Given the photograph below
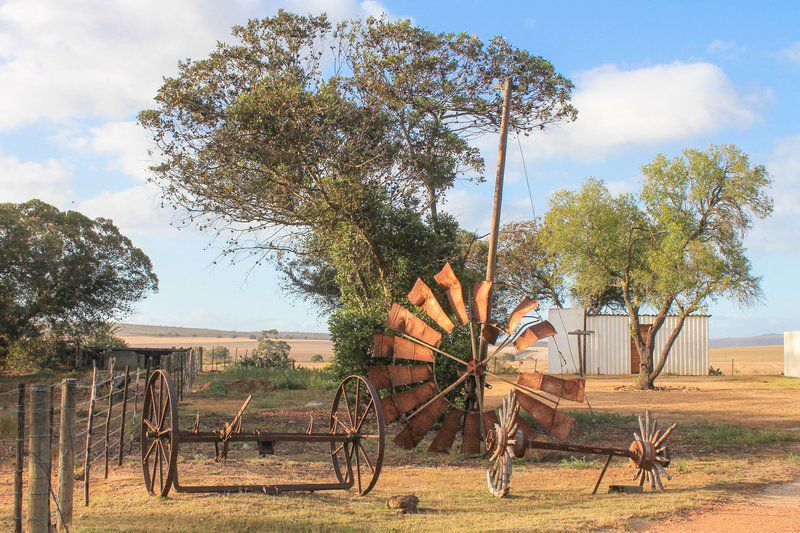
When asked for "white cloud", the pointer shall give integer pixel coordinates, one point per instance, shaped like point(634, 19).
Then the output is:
point(63, 59)
point(623, 109)
point(792, 53)
point(726, 49)
point(124, 145)
point(781, 232)
point(49, 180)
point(135, 210)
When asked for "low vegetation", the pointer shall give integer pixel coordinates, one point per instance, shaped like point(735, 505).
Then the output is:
point(273, 379)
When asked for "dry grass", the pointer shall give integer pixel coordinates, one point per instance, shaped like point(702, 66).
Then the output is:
point(302, 349)
point(735, 435)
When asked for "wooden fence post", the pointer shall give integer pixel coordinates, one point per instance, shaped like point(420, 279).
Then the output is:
point(135, 408)
point(66, 454)
point(38, 519)
point(87, 457)
point(124, 407)
point(108, 412)
point(20, 458)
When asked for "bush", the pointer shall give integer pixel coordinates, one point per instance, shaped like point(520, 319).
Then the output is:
point(317, 358)
point(270, 353)
point(352, 333)
point(218, 352)
point(30, 354)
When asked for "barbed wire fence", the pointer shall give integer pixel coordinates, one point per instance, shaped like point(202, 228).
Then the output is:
point(72, 432)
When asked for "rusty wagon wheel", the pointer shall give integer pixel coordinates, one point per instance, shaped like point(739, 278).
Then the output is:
point(357, 412)
point(159, 433)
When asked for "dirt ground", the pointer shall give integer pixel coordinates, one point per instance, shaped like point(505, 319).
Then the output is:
point(714, 473)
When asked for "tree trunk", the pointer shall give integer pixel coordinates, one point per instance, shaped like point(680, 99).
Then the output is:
point(432, 202)
point(662, 358)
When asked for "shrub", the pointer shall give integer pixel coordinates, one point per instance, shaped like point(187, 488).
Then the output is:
point(218, 352)
point(317, 358)
point(283, 378)
point(270, 353)
point(352, 333)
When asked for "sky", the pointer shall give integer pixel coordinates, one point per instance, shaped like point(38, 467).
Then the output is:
point(649, 78)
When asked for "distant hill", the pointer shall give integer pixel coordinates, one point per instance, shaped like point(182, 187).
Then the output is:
point(127, 330)
point(769, 339)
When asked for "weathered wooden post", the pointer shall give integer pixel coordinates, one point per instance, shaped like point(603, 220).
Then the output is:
point(87, 456)
point(135, 408)
point(38, 519)
point(66, 454)
point(108, 413)
point(20, 458)
point(124, 407)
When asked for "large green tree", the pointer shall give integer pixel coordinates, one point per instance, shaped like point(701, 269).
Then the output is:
point(63, 274)
point(674, 247)
point(326, 148)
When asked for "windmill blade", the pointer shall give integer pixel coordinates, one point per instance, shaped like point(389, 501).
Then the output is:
point(389, 346)
point(447, 279)
point(568, 389)
point(471, 438)
point(403, 402)
point(533, 333)
point(421, 424)
point(525, 306)
point(557, 424)
point(422, 296)
point(490, 332)
point(388, 376)
point(402, 320)
point(447, 433)
point(480, 310)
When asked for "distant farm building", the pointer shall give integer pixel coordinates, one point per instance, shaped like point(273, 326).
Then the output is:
point(609, 348)
point(791, 353)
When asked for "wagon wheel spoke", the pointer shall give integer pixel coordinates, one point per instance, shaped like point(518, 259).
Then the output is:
point(337, 450)
point(370, 408)
point(153, 475)
point(358, 398)
point(150, 426)
point(366, 458)
point(149, 451)
point(163, 415)
point(346, 429)
point(347, 405)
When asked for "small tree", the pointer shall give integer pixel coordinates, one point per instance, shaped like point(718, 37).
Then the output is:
point(317, 358)
point(674, 248)
point(104, 337)
point(218, 352)
point(270, 352)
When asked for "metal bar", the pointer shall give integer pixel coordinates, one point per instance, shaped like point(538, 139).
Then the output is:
point(108, 414)
point(124, 408)
point(602, 473)
point(87, 457)
point(211, 436)
point(578, 448)
point(264, 489)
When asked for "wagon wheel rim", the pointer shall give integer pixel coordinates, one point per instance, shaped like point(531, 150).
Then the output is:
point(357, 412)
point(159, 436)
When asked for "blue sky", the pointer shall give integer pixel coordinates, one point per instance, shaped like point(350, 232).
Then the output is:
point(649, 78)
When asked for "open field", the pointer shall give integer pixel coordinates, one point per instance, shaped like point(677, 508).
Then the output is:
point(735, 436)
point(749, 360)
point(302, 349)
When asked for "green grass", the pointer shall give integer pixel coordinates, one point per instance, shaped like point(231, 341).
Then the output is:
point(595, 426)
point(578, 464)
point(716, 434)
point(275, 378)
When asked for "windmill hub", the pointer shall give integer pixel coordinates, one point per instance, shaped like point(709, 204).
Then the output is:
point(475, 368)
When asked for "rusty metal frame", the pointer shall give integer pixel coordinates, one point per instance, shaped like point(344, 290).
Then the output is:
point(163, 435)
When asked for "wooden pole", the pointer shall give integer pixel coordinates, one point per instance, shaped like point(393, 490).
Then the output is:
point(135, 408)
point(124, 408)
point(87, 455)
point(498, 201)
point(66, 454)
point(108, 413)
point(38, 519)
point(20, 458)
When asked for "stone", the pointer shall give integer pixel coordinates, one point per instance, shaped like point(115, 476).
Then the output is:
point(406, 503)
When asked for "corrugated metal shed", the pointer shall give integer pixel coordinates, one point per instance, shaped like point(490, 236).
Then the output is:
point(608, 349)
point(791, 353)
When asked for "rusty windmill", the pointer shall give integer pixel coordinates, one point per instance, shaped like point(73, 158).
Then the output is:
point(423, 401)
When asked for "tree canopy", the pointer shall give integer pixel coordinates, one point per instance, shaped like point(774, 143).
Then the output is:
point(327, 148)
point(674, 247)
point(63, 274)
